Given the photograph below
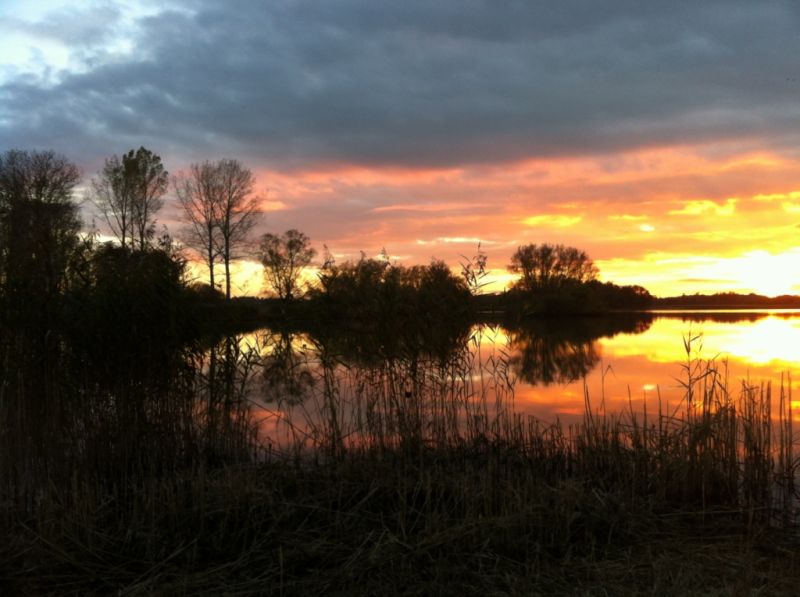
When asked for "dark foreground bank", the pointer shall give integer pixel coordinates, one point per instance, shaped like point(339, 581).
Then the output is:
point(453, 495)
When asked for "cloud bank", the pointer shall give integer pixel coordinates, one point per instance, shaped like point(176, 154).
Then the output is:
point(413, 83)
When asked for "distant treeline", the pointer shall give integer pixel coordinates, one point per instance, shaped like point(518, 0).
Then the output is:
point(727, 300)
point(580, 298)
point(367, 295)
point(378, 295)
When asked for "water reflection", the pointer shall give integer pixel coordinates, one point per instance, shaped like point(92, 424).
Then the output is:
point(645, 369)
point(551, 363)
point(287, 371)
point(748, 340)
point(563, 350)
point(369, 345)
point(299, 365)
point(732, 316)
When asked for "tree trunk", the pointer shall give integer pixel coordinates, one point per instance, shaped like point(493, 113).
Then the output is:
point(211, 267)
point(227, 258)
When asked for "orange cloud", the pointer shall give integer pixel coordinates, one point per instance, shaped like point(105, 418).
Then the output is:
point(704, 206)
point(552, 220)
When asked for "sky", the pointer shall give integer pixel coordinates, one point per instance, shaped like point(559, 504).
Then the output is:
point(663, 138)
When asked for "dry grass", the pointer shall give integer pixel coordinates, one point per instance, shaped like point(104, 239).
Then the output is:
point(416, 476)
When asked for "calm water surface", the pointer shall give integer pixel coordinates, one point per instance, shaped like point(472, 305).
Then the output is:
point(553, 365)
point(753, 346)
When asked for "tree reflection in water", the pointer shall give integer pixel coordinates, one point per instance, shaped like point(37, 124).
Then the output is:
point(549, 351)
point(541, 360)
point(287, 368)
point(293, 361)
point(338, 386)
point(543, 351)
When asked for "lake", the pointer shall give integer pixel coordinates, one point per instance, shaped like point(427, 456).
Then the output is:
point(643, 364)
point(547, 368)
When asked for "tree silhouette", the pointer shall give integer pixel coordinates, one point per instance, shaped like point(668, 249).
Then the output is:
point(197, 194)
point(549, 266)
point(128, 192)
point(145, 175)
point(238, 211)
point(38, 227)
point(220, 212)
point(113, 198)
point(284, 257)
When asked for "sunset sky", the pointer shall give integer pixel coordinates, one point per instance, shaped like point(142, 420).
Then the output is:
point(661, 137)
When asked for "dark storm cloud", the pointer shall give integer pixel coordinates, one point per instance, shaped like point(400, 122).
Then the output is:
point(414, 83)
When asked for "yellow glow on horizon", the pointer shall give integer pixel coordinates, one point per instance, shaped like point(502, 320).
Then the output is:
point(664, 274)
point(760, 271)
point(246, 276)
point(497, 280)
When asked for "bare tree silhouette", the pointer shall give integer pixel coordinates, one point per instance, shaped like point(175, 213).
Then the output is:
point(284, 258)
point(128, 192)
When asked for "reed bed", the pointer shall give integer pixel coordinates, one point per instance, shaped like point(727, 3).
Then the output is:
point(416, 475)
point(723, 445)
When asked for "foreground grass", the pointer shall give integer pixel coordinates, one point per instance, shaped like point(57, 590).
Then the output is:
point(475, 525)
point(457, 494)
